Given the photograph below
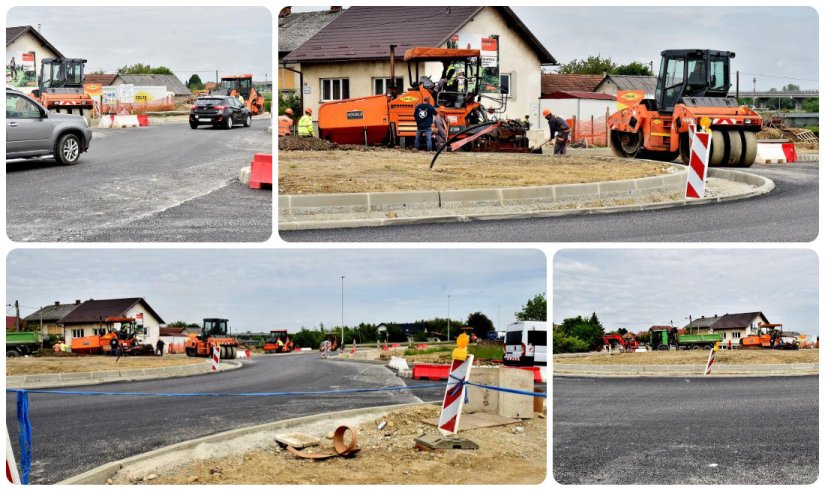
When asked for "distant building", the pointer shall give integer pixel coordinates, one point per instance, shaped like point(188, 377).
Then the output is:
point(732, 326)
point(568, 82)
point(614, 83)
point(49, 317)
point(87, 318)
point(294, 29)
point(26, 46)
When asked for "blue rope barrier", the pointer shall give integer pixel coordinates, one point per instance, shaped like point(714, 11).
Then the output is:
point(24, 436)
point(461, 383)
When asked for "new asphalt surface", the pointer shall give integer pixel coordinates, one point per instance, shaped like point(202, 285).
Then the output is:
point(158, 183)
point(788, 214)
point(73, 433)
point(686, 430)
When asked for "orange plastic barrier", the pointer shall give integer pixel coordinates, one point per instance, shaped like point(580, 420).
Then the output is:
point(143, 120)
point(432, 372)
point(421, 346)
point(261, 171)
point(790, 152)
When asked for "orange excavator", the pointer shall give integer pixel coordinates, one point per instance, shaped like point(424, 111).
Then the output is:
point(691, 90)
point(388, 119)
point(614, 340)
point(235, 85)
point(215, 331)
point(60, 87)
point(273, 346)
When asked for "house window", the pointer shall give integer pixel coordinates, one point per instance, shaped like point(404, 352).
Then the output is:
point(381, 86)
point(77, 333)
point(737, 335)
point(99, 331)
point(334, 89)
point(504, 82)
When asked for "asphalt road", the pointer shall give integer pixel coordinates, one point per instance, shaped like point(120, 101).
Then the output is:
point(157, 183)
point(788, 214)
point(686, 430)
point(72, 433)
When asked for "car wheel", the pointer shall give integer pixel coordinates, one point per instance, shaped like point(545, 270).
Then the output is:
point(228, 123)
point(193, 125)
point(248, 121)
point(68, 149)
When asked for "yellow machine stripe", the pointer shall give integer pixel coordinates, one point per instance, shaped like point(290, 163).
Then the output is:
point(660, 134)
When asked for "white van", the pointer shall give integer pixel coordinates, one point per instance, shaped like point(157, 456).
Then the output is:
point(525, 344)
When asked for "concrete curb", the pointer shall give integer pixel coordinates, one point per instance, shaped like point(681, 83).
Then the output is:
point(807, 157)
point(743, 370)
point(100, 474)
point(364, 202)
point(37, 381)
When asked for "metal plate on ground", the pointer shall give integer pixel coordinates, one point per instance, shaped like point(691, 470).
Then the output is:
point(431, 442)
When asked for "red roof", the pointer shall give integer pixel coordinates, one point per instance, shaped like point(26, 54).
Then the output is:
point(554, 82)
point(105, 79)
point(579, 95)
point(11, 322)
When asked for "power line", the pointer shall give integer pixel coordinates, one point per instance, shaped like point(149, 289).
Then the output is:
point(783, 78)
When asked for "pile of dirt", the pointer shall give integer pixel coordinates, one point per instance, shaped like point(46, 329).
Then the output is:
point(82, 364)
point(513, 454)
point(746, 356)
point(292, 143)
point(387, 170)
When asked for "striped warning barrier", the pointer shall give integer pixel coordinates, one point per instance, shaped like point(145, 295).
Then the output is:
point(698, 168)
point(11, 465)
point(106, 121)
point(454, 396)
point(770, 153)
point(216, 357)
point(711, 358)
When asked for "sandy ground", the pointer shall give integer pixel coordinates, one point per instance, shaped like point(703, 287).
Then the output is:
point(513, 454)
point(695, 357)
point(386, 170)
point(82, 364)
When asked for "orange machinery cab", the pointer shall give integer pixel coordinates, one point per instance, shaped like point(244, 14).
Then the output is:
point(381, 119)
point(97, 344)
point(272, 346)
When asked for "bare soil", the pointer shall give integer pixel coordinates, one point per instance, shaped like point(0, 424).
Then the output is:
point(386, 170)
point(513, 454)
point(694, 357)
point(81, 364)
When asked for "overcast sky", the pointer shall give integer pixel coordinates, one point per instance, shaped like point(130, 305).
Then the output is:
point(636, 289)
point(777, 45)
point(185, 39)
point(261, 290)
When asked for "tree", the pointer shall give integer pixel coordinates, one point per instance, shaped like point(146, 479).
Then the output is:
point(593, 65)
point(791, 88)
point(633, 68)
point(395, 333)
point(810, 105)
point(589, 330)
point(534, 310)
point(480, 324)
point(180, 324)
point(308, 338)
point(564, 344)
point(289, 101)
point(141, 69)
point(621, 331)
point(195, 83)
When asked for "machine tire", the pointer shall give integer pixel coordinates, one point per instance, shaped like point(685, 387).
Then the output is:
point(718, 149)
point(233, 352)
point(707, 347)
point(684, 148)
point(193, 125)
point(749, 151)
point(227, 124)
point(190, 352)
point(615, 146)
point(12, 353)
point(248, 121)
point(663, 347)
point(735, 146)
point(67, 150)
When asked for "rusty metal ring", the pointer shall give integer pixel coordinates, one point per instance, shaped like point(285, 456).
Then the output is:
point(341, 449)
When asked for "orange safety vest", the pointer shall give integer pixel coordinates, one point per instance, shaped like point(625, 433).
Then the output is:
point(284, 125)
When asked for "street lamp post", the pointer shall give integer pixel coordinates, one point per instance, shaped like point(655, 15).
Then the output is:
point(342, 313)
point(448, 318)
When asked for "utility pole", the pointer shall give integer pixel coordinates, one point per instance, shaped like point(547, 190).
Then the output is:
point(17, 314)
point(737, 85)
point(498, 325)
point(448, 318)
point(216, 78)
point(342, 313)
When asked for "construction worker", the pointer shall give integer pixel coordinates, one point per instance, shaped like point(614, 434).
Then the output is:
point(424, 113)
point(560, 126)
point(442, 129)
point(113, 344)
point(305, 127)
point(160, 346)
point(285, 123)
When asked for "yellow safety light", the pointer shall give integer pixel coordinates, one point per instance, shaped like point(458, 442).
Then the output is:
point(705, 123)
point(460, 352)
point(716, 346)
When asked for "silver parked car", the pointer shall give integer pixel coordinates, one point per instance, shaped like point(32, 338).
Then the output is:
point(32, 131)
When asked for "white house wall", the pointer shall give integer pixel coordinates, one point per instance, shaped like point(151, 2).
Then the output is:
point(25, 43)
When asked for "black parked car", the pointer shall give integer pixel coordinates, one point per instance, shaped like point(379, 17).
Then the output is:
point(219, 110)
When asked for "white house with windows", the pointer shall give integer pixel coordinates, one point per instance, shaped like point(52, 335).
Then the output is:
point(732, 326)
point(349, 57)
point(89, 318)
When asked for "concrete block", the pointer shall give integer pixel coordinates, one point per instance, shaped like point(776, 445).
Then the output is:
point(546, 193)
point(358, 200)
point(389, 201)
point(576, 191)
point(650, 183)
point(617, 188)
point(480, 399)
point(470, 195)
point(243, 175)
point(505, 404)
point(77, 376)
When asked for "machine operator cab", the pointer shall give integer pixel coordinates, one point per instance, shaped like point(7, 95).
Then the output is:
point(214, 327)
point(692, 73)
point(57, 73)
point(241, 84)
point(457, 83)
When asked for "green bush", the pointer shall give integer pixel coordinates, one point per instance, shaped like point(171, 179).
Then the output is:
point(267, 101)
point(564, 344)
point(487, 351)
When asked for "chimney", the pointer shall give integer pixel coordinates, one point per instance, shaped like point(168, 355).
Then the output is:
point(335, 9)
point(57, 303)
point(285, 12)
point(77, 301)
point(38, 27)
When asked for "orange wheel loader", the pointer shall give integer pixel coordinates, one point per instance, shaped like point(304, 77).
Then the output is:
point(692, 86)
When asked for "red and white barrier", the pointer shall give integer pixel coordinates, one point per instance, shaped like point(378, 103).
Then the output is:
point(770, 153)
point(12, 475)
point(125, 122)
point(454, 396)
point(698, 168)
point(711, 358)
point(216, 358)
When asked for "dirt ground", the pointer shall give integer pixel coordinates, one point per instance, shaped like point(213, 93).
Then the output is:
point(695, 357)
point(82, 364)
point(513, 454)
point(386, 170)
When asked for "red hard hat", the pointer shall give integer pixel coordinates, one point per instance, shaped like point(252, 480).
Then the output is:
point(289, 112)
point(545, 112)
point(309, 110)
